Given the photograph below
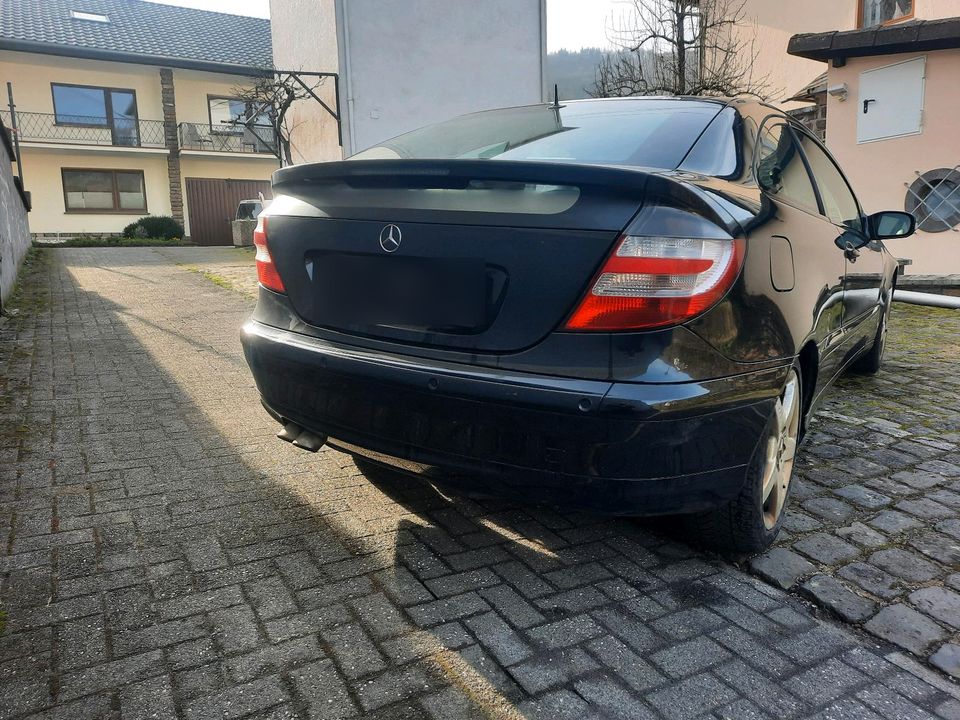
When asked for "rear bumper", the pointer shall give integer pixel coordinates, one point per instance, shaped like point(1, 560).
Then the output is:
point(624, 448)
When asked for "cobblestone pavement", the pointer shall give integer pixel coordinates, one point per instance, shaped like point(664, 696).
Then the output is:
point(874, 533)
point(165, 556)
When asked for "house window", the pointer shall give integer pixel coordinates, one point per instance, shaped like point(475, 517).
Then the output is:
point(227, 114)
point(74, 105)
point(934, 198)
point(104, 191)
point(881, 12)
point(94, 106)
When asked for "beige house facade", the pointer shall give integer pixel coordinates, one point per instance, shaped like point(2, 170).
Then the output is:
point(768, 27)
point(892, 93)
point(114, 123)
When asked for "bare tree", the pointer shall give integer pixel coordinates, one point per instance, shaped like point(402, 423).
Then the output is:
point(680, 47)
point(268, 101)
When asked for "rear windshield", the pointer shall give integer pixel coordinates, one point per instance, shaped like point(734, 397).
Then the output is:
point(642, 132)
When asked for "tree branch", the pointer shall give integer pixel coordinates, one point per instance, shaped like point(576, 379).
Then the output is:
point(681, 47)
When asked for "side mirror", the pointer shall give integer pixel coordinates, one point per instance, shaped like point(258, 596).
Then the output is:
point(891, 224)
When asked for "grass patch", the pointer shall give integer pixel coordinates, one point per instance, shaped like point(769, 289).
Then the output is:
point(218, 280)
point(27, 294)
point(3, 620)
point(86, 242)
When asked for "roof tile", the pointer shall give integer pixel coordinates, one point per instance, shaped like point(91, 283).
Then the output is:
point(140, 27)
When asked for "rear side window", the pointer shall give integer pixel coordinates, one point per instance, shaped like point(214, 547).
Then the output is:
point(716, 152)
point(639, 132)
point(779, 167)
point(839, 203)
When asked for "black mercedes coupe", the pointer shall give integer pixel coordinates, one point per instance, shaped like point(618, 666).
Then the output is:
point(629, 306)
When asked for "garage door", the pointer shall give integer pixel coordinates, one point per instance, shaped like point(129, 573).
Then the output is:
point(212, 205)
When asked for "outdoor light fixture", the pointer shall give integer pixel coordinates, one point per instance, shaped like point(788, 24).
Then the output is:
point(838, 91)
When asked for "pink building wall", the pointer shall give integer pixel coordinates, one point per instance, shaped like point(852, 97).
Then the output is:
point(880, 169)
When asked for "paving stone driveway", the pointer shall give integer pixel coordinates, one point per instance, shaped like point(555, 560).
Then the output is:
point(165, 556)
point(874, 533)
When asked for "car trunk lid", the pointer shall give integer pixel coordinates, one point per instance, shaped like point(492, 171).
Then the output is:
point(485, 256)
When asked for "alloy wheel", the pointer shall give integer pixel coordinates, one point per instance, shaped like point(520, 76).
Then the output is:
point(780, 451)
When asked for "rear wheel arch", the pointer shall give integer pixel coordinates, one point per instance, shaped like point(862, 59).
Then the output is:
point(750, 522)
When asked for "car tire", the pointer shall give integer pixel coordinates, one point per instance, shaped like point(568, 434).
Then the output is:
point(751, 521)
point(871, 362)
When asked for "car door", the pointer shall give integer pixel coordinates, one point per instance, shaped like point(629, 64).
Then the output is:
point(800, 231)
point(863, 257)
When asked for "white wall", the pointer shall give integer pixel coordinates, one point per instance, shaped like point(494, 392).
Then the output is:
point(305, 38)
point(407, 63)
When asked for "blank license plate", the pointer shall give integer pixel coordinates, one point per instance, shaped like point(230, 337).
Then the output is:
point(428, 293)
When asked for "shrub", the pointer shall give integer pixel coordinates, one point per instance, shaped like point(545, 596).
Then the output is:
point(154, 226)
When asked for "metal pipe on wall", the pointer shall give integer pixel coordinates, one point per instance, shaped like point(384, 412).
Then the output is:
point(15, 132)
point(930, 299)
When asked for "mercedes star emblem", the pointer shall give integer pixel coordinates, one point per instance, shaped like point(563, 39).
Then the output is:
point(390, 238)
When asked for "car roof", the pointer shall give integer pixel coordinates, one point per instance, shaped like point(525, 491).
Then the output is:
point(726, 101)
point(740, 103)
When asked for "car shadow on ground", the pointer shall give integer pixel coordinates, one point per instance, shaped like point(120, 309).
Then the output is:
point(165, 552)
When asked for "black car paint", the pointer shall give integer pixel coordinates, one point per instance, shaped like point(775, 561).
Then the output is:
point(635, 422)
point(576, 441)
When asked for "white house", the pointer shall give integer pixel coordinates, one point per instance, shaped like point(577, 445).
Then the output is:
point(406, 64)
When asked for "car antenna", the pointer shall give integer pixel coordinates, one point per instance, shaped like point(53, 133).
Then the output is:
point(556, 98)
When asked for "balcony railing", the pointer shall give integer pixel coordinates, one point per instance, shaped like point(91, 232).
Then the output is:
point(230, 138)
point(98, 131)
point(82, 130)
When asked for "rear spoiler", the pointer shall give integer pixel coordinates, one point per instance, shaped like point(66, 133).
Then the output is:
point(603, 189)
point(458, 174)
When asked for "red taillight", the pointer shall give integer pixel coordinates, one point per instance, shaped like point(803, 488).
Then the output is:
point(650, 282)
point(266, 271)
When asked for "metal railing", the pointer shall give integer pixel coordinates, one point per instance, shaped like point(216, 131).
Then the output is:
point(934, 197)
point(229, 138)
point(83, 130)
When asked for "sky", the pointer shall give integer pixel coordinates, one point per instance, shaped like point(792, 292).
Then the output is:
point(575, 24)
point(571, 24)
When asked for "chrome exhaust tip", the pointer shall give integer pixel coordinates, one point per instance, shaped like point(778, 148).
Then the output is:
point(308, 441)
point(293, 433)
point(289, 432)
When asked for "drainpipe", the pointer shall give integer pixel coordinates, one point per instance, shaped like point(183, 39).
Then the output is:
point(343, 32)
point(544, 91)
point(16, 135)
